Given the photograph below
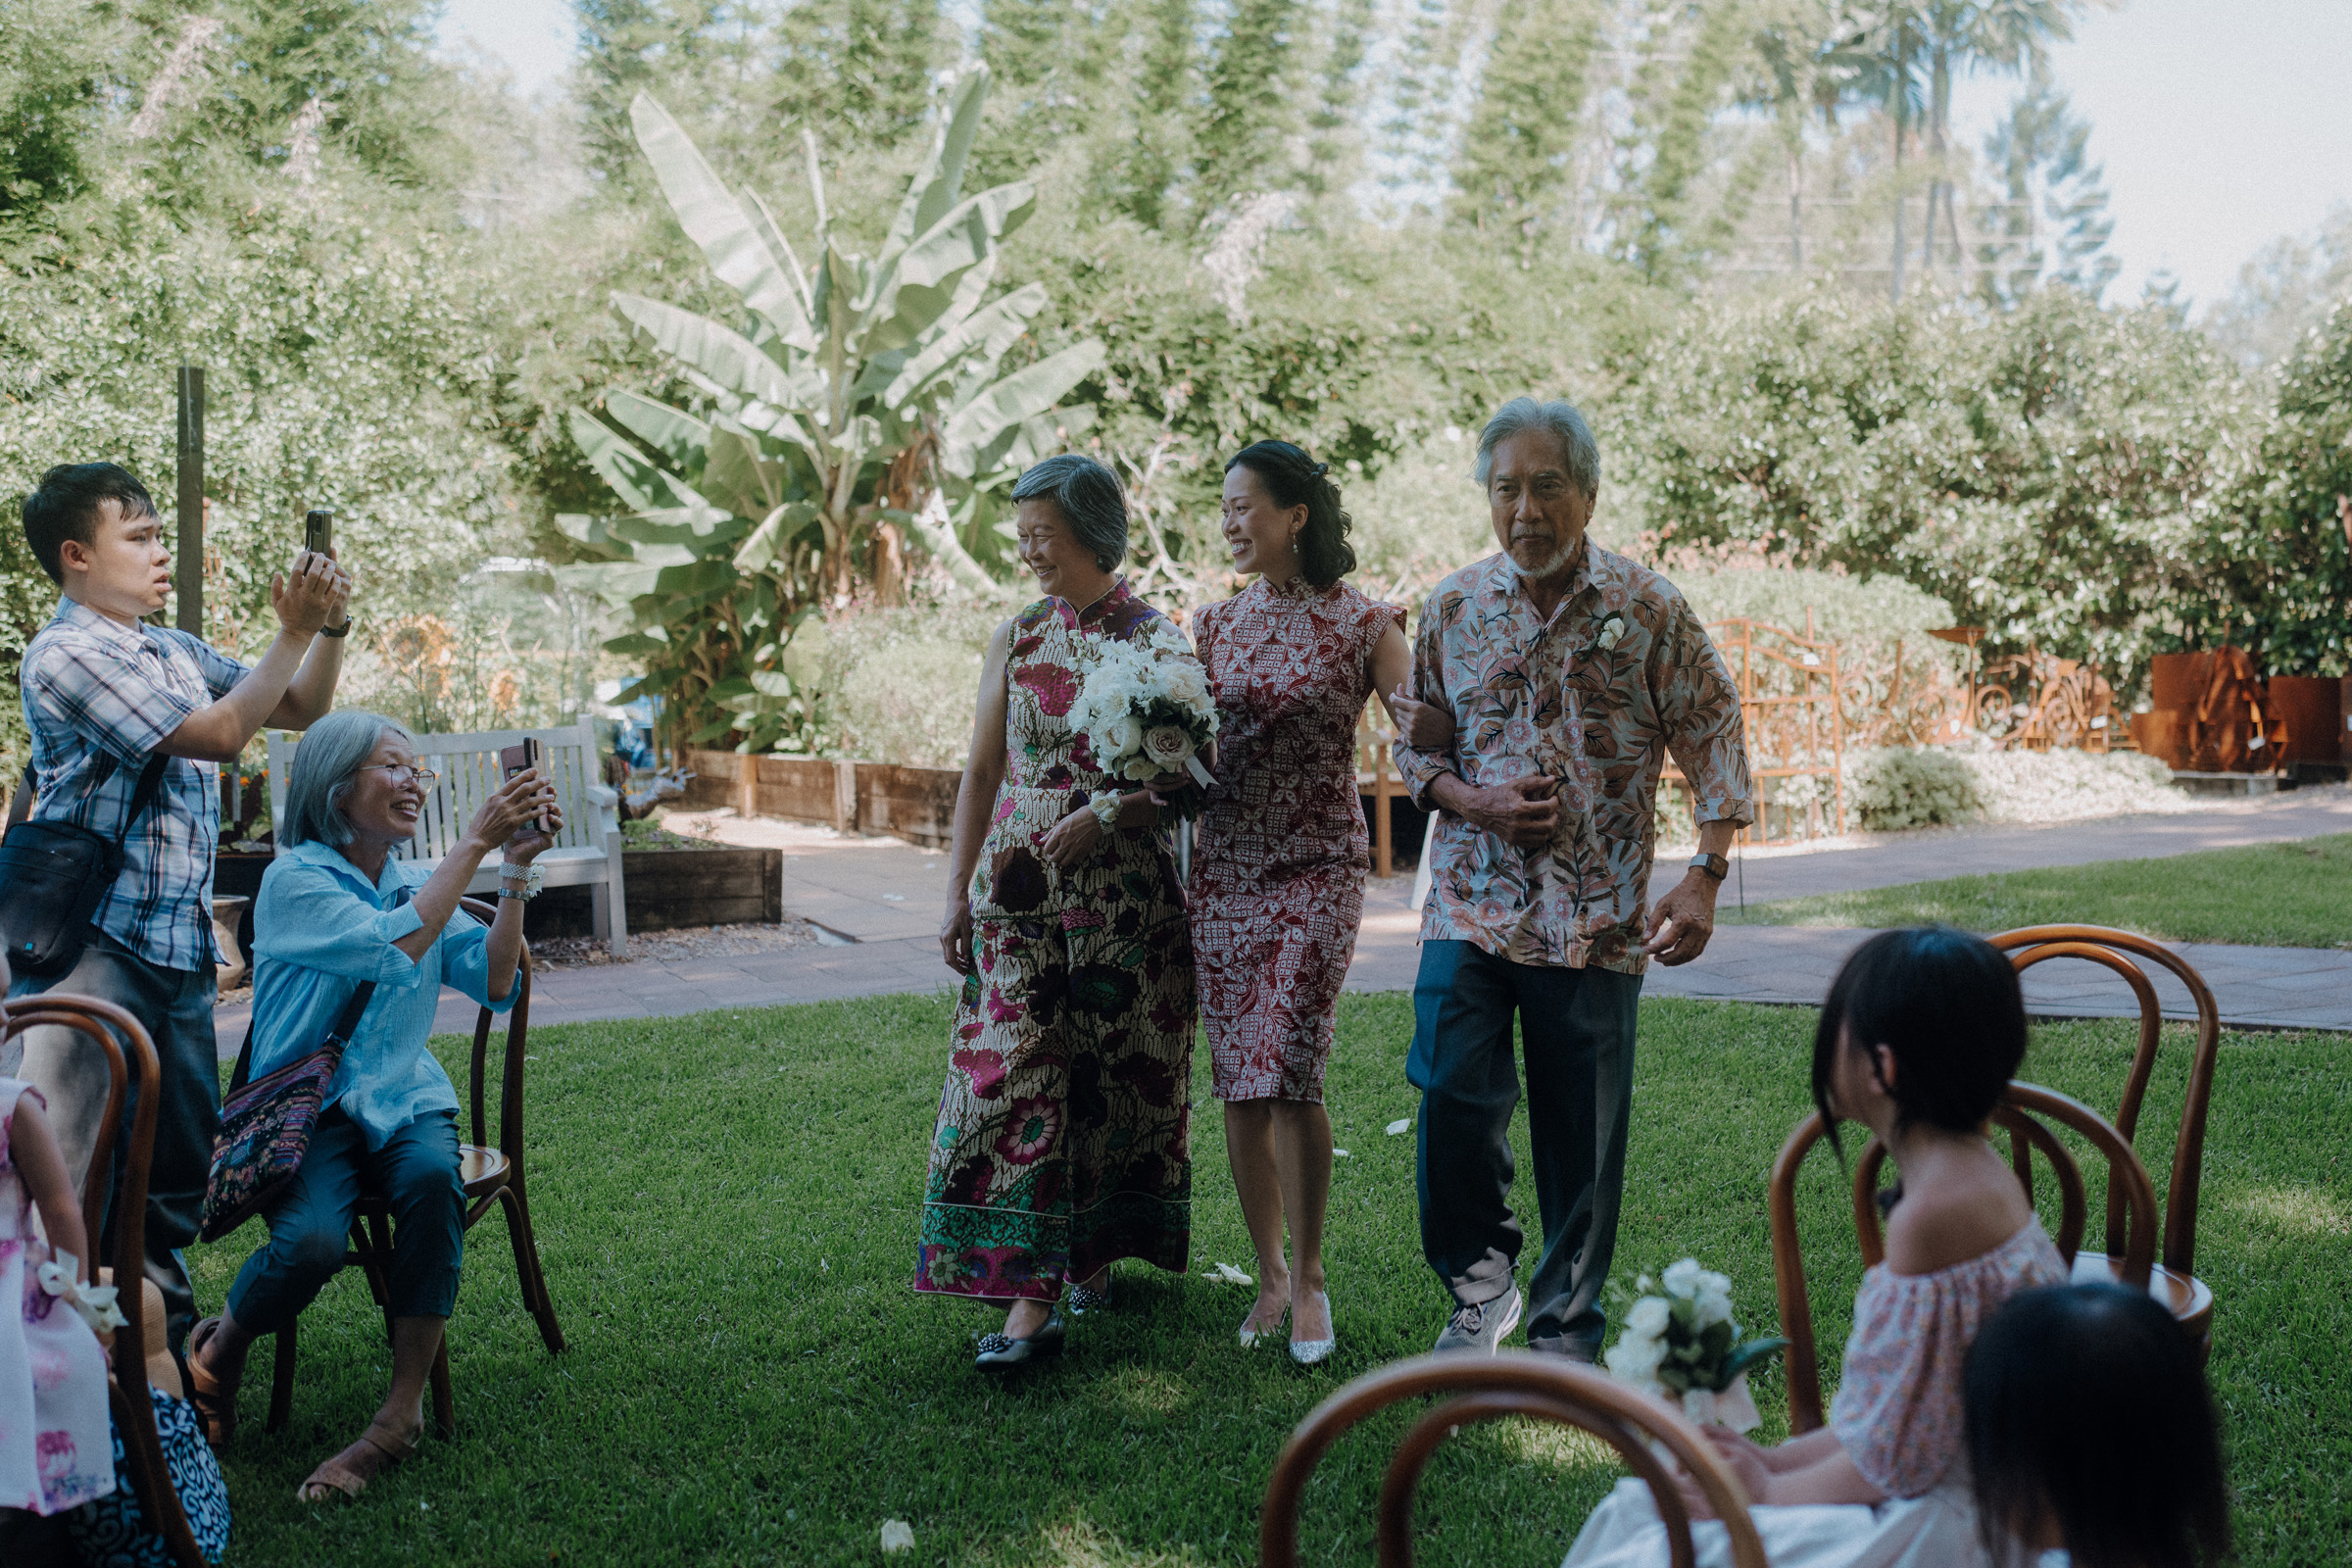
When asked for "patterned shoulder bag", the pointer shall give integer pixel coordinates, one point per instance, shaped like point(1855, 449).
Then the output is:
point(265, 1126)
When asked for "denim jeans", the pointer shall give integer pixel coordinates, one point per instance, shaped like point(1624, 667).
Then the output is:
point(176, 1006)
point(1577, 1026)
point(308, 1224)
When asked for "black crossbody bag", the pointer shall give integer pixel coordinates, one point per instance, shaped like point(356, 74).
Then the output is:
point(53, 876)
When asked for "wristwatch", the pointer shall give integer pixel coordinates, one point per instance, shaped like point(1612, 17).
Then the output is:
point(1715, 865)
point(343, 630)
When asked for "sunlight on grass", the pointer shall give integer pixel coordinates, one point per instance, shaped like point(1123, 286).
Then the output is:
point(751, 1381)
point(2264, 895)
point(2300, 1209)
point(1564, 1448)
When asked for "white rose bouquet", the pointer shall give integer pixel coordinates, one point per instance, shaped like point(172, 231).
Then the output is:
point(1145, 709)
point(1681, 1344)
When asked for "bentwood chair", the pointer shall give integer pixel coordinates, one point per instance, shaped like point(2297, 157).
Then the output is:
point(1546, 1388)
point(126, 1385)
point(2022, 1108)
point(492, 1173)
point(2175, 1283)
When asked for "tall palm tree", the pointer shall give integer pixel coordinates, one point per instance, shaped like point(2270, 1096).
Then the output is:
point(2009, 36)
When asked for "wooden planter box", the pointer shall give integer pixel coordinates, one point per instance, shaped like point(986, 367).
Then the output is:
point(917, 803)
point(671, 889)
point(667, 888)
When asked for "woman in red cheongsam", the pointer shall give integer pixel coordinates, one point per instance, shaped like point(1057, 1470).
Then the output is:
point(1277, 887)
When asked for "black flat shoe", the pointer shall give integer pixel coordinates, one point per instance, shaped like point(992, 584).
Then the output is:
point(1000, 1352)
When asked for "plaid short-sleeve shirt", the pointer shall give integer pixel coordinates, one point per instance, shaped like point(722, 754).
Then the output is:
point(99, 697)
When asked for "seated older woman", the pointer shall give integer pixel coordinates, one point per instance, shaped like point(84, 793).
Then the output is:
point(337, 910)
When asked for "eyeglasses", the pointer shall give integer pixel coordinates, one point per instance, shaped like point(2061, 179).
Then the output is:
point(402, 773)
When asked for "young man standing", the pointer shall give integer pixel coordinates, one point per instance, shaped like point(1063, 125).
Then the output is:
point(103, 692)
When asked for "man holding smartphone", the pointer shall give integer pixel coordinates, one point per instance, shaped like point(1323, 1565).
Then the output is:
point(105, 692)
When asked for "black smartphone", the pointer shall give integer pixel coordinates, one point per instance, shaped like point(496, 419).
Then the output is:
point(318, 531)
point(515, 760)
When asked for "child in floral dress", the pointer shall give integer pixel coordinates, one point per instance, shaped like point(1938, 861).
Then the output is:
point(1921, 1034)
point(56, 1445)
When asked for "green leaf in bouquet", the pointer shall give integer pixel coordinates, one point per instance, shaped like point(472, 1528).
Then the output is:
point(1716, 1340)
point(1753, 1354)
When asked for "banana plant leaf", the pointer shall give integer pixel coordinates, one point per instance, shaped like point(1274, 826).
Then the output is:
point(715, 221)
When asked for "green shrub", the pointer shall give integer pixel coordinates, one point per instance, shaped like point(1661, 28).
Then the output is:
point(1892, 787)
point(899, 684)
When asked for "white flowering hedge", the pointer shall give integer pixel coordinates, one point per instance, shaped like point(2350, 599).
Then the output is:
point(1895, 787)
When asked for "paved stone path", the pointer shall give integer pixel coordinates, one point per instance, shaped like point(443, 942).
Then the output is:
point(881, 897)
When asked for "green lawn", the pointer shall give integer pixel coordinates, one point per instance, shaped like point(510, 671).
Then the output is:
point(2265, 895)
point(726, 1210)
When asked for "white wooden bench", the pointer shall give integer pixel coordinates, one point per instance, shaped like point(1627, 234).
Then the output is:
point(586, 854)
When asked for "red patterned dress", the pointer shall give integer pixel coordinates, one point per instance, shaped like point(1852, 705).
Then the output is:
point(1278, 877)
point(1064, 1140)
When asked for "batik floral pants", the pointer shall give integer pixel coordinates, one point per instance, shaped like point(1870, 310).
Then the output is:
point(1064, 1131)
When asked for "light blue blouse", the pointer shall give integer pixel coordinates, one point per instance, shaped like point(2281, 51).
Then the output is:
point(318, 930)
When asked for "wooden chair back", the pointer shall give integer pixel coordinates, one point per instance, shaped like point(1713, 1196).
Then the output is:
point(99, 1023)
point(2018, 1112)
point(1484, 1388)
point(2116, 951)
point(509, 1089)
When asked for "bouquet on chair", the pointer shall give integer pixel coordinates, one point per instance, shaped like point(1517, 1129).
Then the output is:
point(1681, 1344)
point(1145, 712)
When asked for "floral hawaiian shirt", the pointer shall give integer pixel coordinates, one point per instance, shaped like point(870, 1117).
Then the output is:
point(1594, 697)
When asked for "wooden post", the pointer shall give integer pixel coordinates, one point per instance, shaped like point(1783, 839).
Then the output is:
point(845, 797)
point(747, 785)
point(189, 567)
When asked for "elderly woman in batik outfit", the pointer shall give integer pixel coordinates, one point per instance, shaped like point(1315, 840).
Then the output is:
point(1063, 1137)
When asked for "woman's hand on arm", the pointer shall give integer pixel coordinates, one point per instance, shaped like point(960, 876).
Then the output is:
point(976, 801)
point(1424, 726)
point(518, 800)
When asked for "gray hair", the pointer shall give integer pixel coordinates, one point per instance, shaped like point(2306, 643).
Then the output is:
point(332, 752)
point(1562, 420)
point(1090, 500)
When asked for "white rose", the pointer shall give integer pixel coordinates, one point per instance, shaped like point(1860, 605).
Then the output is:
point(1635, 1359)
point(1682, 1279)
point(1167, 746)
point(1611, 632)
point(1714, 1302)
point(1186, 685)
point(1125, 734)
point(1647, 1318)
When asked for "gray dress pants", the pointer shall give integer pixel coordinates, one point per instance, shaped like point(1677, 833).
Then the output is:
point(1577, 1026)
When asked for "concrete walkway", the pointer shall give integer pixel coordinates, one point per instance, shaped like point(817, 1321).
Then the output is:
point(880, 901)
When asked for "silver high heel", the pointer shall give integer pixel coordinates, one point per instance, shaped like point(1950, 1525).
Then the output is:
point(1308, 1353)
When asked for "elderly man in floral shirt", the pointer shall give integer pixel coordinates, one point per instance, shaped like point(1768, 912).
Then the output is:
point(1569, 673)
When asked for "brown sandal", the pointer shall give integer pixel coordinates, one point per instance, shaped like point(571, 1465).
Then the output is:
point(335, 1476)
point(215, 1402)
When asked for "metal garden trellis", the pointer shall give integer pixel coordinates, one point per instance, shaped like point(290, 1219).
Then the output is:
point(1790, 711)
